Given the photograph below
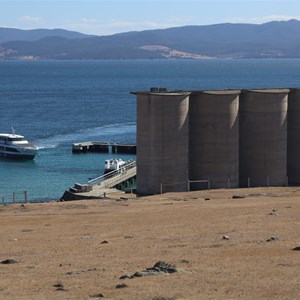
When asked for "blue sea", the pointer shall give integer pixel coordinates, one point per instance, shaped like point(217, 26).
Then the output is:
point(57, 103)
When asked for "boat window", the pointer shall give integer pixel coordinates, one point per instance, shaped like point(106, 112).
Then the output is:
point(16, 139)
point(11, 149)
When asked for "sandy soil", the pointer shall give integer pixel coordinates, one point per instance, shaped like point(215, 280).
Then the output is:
point(79, 249)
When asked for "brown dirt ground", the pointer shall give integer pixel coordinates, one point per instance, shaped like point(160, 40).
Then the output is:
point(61, 243)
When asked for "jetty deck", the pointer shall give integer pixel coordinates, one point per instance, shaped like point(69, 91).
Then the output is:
point(103, 147)
point(102, 185)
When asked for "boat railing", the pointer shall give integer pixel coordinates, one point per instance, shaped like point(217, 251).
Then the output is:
point(113, 173)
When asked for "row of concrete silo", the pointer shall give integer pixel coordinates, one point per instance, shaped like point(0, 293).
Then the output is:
point(232, 138)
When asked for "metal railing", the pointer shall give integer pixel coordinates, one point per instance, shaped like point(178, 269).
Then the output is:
point(172, 187)
point(227, 183)
point(118, 178)
point(266, 181)
point(111, 174)
point(14, 198)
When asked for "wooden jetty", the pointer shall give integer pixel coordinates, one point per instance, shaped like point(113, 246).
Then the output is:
point(102, 147)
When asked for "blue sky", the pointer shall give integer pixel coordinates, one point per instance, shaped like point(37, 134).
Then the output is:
point(102, 17)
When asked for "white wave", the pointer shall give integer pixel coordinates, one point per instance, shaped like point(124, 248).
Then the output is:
point(90, 134)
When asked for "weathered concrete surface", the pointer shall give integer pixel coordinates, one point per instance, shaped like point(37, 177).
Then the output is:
point(293, 146)
point(162, 142)
point(214, 138)
point(263, 137)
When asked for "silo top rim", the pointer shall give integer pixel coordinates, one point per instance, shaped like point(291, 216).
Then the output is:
point(162, 93)
point(222, 92)
point(269, 91)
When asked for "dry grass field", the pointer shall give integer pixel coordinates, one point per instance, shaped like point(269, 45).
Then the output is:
point(223, 247)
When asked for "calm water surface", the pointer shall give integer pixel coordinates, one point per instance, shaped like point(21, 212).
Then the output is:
point(57, 103)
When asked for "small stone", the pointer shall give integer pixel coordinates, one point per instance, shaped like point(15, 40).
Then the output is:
point(97, 296)
point(91, 270)
point(138, 274)
point(125, 277)
point(207, 199)
point(27, 230)
point(162, 298)
point(272, 238)
point(184, 261)
point(8, 262)
point(121, 286)
point(296, 248)
point(238, 196)
point(104, 242)
point(162, 266)
point(226, 237)
point(128, 237)
point(22, 208)
point(59, 287)
point(87, 236)
point(273, 212)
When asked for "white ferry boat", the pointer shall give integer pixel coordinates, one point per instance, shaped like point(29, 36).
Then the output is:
point(16, 146)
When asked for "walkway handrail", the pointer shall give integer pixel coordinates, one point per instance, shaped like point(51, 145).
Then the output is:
point(120, 177)
point(111, 174)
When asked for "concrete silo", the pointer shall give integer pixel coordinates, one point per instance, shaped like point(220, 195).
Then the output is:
point(293, 150)
point(263, 137)
point(162, 141)
point(214, 138)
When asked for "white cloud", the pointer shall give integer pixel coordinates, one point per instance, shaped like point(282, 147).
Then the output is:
point(88, 20)
point(263, 19)
point(181, 20)
point(274, 18)
point(30, 19)
point(93, 26)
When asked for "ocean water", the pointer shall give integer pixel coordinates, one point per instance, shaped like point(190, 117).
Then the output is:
point(57, 103)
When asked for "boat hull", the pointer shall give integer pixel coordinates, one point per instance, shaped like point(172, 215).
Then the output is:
point(17, 156)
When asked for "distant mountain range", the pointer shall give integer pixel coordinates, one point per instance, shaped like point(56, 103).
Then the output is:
point(278, 39)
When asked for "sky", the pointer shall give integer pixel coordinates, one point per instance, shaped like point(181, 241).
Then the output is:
point(103, 17)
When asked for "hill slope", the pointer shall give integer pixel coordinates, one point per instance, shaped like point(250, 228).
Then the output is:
point(273, 39)
point(12, 34)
